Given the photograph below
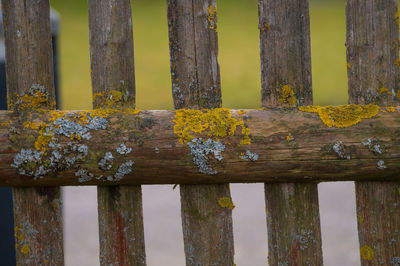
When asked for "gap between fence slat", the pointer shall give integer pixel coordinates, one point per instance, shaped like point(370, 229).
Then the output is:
point(29, 61)
point(207, 227)
point(294, 231)
point(374, 78)
point(121, 231)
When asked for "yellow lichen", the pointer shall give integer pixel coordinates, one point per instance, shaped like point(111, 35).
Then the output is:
point(25, 249)
point(289, 138)
point(265, 27)
point(212, 18)
point(226, 202)
point(215, 123)
point(397, 62)
point(4, 124)
point(108, 98)
point(348, 65)
point(31, 125)
point(367, 253)
point(360, 219)
point(342, 116)
point(287, 96)
point(389, 109)
point(385, 90)
point(396, 17)
point(240, 112)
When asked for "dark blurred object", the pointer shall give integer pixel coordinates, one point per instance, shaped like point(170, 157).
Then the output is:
point(7, 243)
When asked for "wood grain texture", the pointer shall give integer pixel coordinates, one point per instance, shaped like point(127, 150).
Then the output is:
point(111, 49)
point(372, 42)
point(159, 157)
point(119, 207)
point(207, 227)
point(294, 231)
point(285, 50)
point(294, 237)
point(29, 60)
point(372, 54)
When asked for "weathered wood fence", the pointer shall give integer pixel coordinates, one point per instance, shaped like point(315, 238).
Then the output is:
point(288, 145)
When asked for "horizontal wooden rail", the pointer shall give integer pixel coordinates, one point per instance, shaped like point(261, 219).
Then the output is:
point(109, 147)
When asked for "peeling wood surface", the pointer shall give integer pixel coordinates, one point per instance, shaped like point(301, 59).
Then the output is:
point(159, 158)
point(29, 60)
point(121, 230)
point(374, 77)
point(294, 231)
point(207, 228)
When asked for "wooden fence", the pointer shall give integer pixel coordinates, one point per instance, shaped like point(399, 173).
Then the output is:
point(287, 144)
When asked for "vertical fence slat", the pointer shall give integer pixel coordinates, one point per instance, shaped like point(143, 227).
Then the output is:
point(207, 228)
point(373, 77)
point(29, 60)
point(294, 234)
point(119, 207)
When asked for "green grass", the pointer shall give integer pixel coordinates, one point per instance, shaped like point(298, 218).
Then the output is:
point(238, 54)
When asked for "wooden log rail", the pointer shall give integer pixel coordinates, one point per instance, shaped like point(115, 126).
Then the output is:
point(110, 147)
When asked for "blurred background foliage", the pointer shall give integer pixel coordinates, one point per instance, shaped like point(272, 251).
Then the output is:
point(238, 35)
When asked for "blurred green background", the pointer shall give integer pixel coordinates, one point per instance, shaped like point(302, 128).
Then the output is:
point(238, 53)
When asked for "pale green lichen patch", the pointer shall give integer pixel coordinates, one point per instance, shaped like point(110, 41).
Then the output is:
point(373, 146)
point(249, 156)
point(226, 202)
point(342, 116)
point(339, 149)
point(381, 165)
point(201, 149)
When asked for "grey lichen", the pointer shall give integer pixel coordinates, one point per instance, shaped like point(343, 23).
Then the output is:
point(106, 162)
point(26, 160)
point(123, 150)
point(395, 261)
point(200, 151)
point(381, 165)
point(68, 128)
point(373, 146)
point(84, 175)
point(123, 170)
point(249, 156)
point(305, 239)
point(339, 149)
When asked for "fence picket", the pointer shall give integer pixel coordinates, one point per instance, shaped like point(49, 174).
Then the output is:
point(207, 227)
point(113, 81)
point(373, 78)
point(37, 211)
point(294, 234)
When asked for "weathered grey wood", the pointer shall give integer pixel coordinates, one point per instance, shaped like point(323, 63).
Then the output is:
point(159, 158)
point(111, 50)
point(294, 237)
point(29, 61)
point(294, 232)
point(285, 51)
point(207, 227)
point(119, 207)
point(373, 76)
point(372, 42)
